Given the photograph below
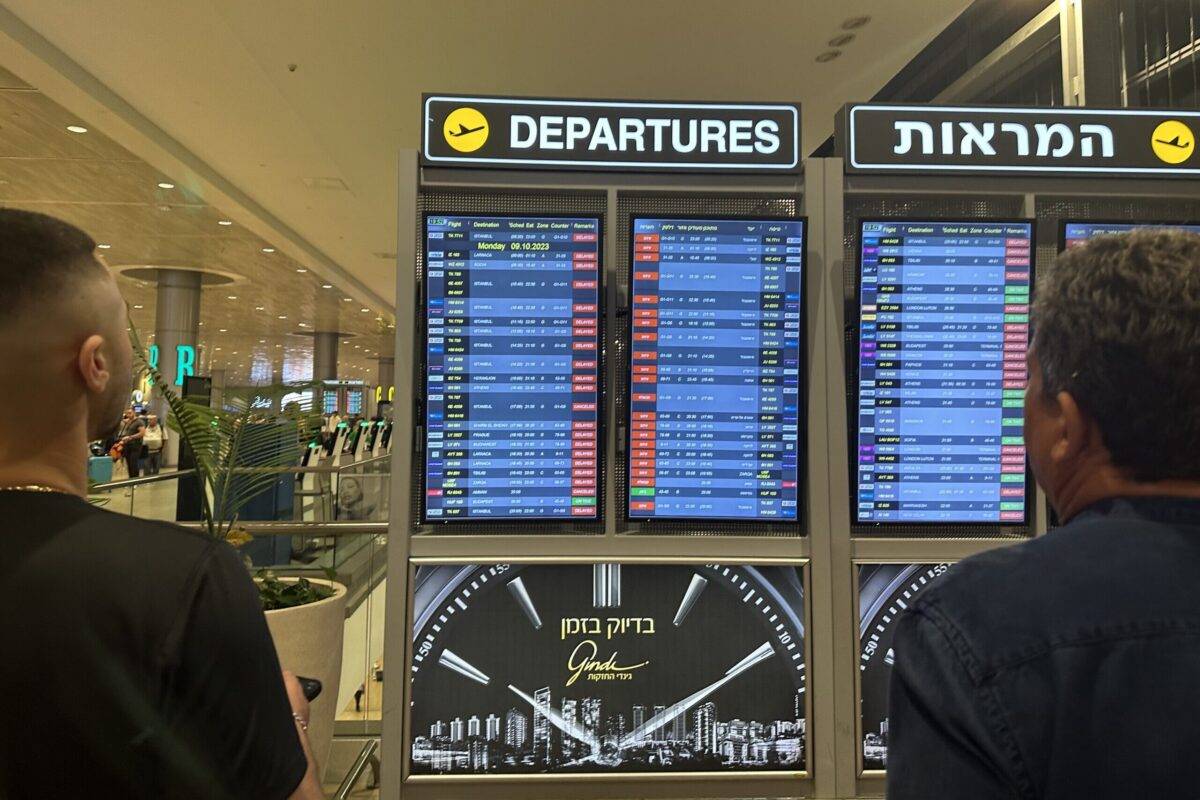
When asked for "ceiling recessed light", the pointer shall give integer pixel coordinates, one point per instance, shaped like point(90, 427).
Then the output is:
point(347, 299)
point(326, 285)
point(365, 310)
point(278, 346)
point(283, 316)
point(231, 297)
point(139, 307)
point(218, 349)
point(224, 222)
point(234, 353)
point(221, 330)
point(301, 269)
point(166, 185)
point(104, 246)
point(268, 249)
point(76, 129)
point(302, 324)
point(262, 341)
point(828, 55)
point(260, 308)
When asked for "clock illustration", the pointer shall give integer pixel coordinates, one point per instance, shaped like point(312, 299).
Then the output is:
point(884, 591)
point(557, 668)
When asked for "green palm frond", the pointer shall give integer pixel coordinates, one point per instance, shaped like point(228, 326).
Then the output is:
point(241, 450)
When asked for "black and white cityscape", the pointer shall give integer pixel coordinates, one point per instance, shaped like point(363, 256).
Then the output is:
point(697, 739)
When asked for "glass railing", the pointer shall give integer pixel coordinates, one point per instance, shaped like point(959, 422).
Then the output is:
point(315, 519)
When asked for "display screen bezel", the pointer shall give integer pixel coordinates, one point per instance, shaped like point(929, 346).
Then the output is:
point(802, 386)
point(421, 418)
point(853, 366)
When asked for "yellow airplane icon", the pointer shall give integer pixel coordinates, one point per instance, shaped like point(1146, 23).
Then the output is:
point(465, 129)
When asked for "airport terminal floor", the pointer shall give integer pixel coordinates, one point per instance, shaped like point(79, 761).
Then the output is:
point(619, 374)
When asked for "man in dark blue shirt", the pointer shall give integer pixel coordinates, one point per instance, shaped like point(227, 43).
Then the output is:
point(1069, 666)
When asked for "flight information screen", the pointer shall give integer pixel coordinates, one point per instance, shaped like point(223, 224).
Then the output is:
point(715, 369)
point(513, 365)
point(943, 333)
point(1077, 233)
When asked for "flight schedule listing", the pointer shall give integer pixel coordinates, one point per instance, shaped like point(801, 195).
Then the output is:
point(944, 329)
point(715, 369)
point(512, 360)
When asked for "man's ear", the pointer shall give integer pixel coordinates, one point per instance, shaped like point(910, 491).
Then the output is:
point(1073, 431)
point(94, 367)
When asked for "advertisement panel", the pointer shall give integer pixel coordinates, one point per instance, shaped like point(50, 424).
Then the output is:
point(608, 668)
point(884, 591)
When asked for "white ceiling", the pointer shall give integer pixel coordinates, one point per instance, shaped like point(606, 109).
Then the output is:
point(214, 77)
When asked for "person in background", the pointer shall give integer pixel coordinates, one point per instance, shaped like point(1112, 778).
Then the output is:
point(137, 662)
point(133, 428)
point(1065, 667)
point(153, 439)
point(331, 431)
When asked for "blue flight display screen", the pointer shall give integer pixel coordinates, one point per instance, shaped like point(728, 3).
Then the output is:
point(715, 369)
point(943, 334)
point(513, 355)
point(1077, 233)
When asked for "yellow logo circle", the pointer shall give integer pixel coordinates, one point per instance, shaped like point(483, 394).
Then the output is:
point(1173, 142)
point(465, 129)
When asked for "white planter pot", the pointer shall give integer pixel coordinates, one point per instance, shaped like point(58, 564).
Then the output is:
point(308, 640)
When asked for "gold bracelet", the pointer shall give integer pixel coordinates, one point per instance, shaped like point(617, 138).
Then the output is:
point(303, 722)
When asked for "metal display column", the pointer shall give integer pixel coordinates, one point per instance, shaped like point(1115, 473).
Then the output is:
point(176, 325)
point(618, 542)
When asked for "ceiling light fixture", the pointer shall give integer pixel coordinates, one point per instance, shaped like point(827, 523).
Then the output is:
point(283, 316)
point(347, 299)
point(138, 307)
point(221, 330)
point(260, 308)
point(225, 222)
point(104, 246)
point(326, 285)
point(301, 269)
point(365, 310)
point(77, 129)
point(268, 249)
point(302, 324)
point(166, 185)
point(231, 297)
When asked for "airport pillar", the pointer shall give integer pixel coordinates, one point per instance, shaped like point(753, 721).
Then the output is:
point(218, 387)
point(325, 362)
point(176, 329)
point(276, 381)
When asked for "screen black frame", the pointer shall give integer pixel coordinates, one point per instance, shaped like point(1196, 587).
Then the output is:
point(853, 366)
point(802, 476)
point(421, 420)
point(1155, 223)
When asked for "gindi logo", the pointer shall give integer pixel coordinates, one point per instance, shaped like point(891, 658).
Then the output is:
point(465, 129)
point(1173, 142)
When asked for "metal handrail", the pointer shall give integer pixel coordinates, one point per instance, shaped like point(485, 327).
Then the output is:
point(162, 476)
point(285, 528)
point(297, 470)
point(365, 756)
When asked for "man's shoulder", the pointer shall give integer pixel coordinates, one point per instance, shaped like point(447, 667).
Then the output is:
point(1016, 601)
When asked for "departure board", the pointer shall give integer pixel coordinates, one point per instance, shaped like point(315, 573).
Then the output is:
point(513, 364)
point(1077, 233)
point(943, 333)
point(714, 402)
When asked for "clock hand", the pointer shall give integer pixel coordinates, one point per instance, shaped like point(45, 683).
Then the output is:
point(567, 726)
point(664, 717)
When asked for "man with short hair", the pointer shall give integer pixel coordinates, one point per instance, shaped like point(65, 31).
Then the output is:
point(1066, 667)
point(137, 662)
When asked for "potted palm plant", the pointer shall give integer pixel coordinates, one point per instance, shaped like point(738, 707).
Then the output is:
point(241, 451)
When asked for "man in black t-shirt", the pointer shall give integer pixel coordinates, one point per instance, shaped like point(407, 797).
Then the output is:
point(136, 661)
